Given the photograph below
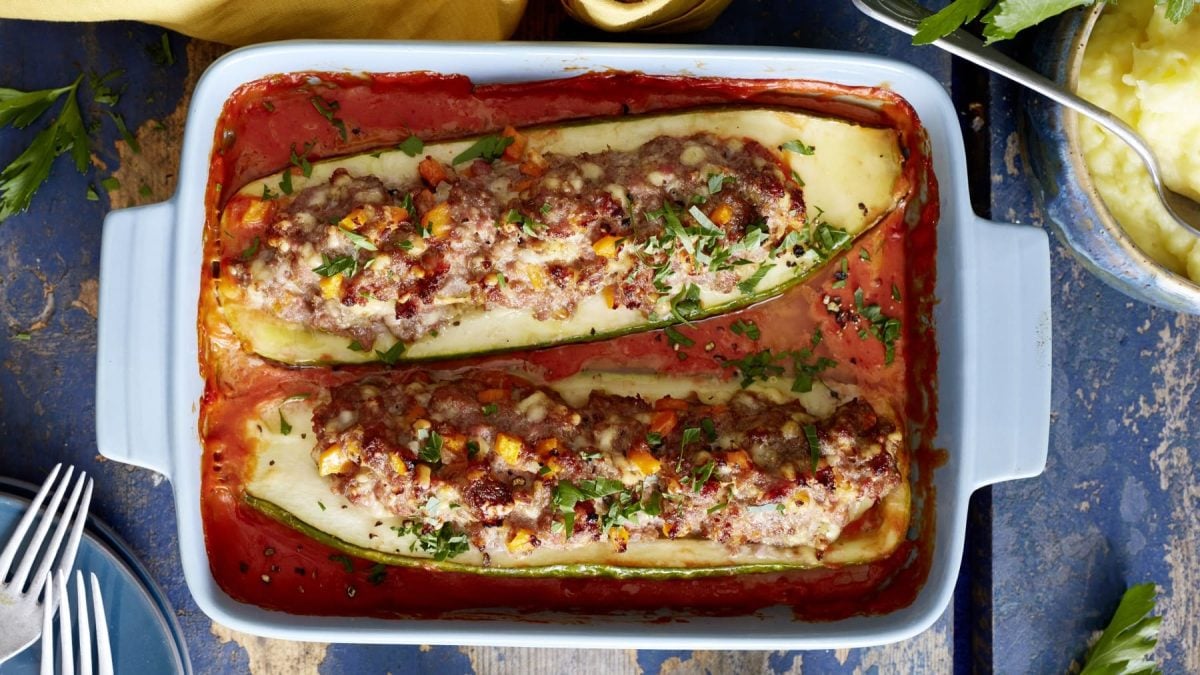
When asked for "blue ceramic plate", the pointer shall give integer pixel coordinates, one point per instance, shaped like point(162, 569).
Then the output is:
point(145, 637)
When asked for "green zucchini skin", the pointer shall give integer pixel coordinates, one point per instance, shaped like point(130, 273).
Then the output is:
point(573, 571)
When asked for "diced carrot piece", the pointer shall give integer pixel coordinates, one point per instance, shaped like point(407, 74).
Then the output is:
point(437, 220)
point(331, 287)
point(668, 403)
point(663, 422)
point(546, 446)
point(522, 540)
point(398, 464)
point(610, 296)
point(738, 458)
point(454, 442)
point(534, 165)
point(516, 150)
point(509, 448)
point(647, 463)
point(606, 246)
point(721, 215)
point(432, 171)
point(492, 395)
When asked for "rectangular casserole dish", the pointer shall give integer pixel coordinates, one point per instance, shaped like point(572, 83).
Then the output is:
point(992, 325)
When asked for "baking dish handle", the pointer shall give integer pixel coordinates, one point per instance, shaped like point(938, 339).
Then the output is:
point(132, 374)
point(1011, 402)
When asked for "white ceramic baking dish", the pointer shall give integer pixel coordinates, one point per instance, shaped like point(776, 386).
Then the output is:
point(993, 330)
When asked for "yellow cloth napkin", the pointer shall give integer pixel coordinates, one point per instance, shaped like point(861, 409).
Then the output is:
point(242, 22)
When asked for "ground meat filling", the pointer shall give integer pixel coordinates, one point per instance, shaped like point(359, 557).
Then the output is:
point(361, 257)
point(513, 466)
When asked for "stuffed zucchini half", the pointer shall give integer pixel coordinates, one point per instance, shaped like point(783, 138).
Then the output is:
point(595, 475)
point(546, 235)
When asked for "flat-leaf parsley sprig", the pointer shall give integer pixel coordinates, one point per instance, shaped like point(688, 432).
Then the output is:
point(20, 180)
point(1003, 19)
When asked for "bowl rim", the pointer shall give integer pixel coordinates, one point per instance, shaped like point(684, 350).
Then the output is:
point(1175, 282)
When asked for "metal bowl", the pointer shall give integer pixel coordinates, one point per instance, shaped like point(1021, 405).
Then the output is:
point(1064, 187)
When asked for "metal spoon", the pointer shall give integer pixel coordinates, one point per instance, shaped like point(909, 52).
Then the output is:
point(905, 15)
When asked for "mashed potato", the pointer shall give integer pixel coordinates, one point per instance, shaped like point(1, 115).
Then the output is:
point(1146, 70)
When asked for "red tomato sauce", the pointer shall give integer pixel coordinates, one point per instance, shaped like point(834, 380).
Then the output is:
point(257, 560)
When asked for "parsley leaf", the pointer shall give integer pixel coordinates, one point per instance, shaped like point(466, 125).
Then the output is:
point(761, 365)
point(751, 282)
point(798, 146)
point(358, 240)
point(328, 110)
point(948, 20)
point(748, 329)
point(1129, 638)
point(716, 181)
point(284, 427)
point(250, 251)
point(25, 174)
point(487, 148)
point(334, 265)
point(686, 304)
point(674, 337)
point(431, 449)
point(393, 353)
point(411, 146)
point(568, 494)
point(814, 445)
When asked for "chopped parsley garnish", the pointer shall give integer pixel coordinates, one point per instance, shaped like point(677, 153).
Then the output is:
point(284, 427)
point(814, 445)
point(356, 346)
point(798, 146)
point(285, 183)
point(321, 504)
point(895, 292)
point(393, 353)
point(840, 276)
point(748, 285)
point(472, 449)
point(377, 574)
point(690, 435)
point(528, 225)
point(489, 409)
point(709, 429)
point(345, 561)
point(568, 494)
point(880, 326)
point(300, 160)
point(440, 542)
point(757, 366)
point(128, 137)
point(358, 240)
point(686, 304)
point(863, 255)
point(250, 251)
point(653, 505)
point(675, 338)
point(717, 507)
point(411, 146)
point(334, 265)
point(488, 148)
point(328, 110)
point(654, 439)
point(431, 449)
point(716, 181)
point(748, 329)
point(267, 195)
point(589, 456)
point(827, 239)
point(501, 280)
point(701, 474)
point(160, 52)
point(807, 370)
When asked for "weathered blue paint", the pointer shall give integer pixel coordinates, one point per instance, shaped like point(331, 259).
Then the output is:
point(1040, 572)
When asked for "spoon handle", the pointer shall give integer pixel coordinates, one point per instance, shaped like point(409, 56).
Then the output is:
point(906, 15)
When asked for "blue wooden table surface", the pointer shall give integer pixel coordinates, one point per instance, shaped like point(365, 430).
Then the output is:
point(1047, 558)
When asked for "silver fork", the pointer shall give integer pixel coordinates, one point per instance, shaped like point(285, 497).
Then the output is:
point(20, 611)
point(96, 627)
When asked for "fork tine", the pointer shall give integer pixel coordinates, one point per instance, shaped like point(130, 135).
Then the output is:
point(85, 628)
point(103, 648)
point(14, 543)
point(66, 650)
point(47, 663)
point(67, 561)
point(51, 553)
